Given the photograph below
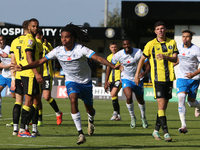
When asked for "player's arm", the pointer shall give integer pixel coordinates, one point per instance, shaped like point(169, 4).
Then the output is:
point(147, 69)
point(4, 66)
point(107, 83)
point(34, 64)
point(172, 59)
point(139, 67)
point(191, 75)
point(104, 61)
point(13, 61)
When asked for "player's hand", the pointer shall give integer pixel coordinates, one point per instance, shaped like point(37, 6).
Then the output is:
point(106, 85)
point(12, 87)
point(142, 75)
point(137, 80)
point(160, 56)
point(190, 75)
point(117, 67)
point(4, 55)
point(121, 68)
point(39, 78)
point(15, 67)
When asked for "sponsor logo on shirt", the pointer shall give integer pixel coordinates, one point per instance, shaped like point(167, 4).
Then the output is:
point(30, 42)
point(69, 58)
point(128, 62)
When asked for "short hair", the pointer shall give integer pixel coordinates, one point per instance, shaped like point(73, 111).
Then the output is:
point(188, 31)
point(25, 24)
point(128, 39)
point(159, 23)
point(112, 43)
point(40, 31)
point(34, 20)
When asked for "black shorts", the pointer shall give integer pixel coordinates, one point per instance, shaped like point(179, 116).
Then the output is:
point(163, 89)
point(19, 86)
point(116, 84)
point(47, 85)
point(30, 85)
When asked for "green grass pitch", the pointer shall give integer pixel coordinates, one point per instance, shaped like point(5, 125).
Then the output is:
point(107, 135)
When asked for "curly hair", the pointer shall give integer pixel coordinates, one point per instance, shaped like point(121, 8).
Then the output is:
point(77, 32)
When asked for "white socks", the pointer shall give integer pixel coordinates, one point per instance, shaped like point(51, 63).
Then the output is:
point(142, 109)
point(181, 108)
point(77, 120)
point(194, 104)
point(131, 109)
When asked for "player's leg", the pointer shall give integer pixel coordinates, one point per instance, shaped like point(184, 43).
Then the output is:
point(1, 88)
point(182, 91)
point(127, 86)
point(47, 87)
point(114, 96)
point(138, 90)
point(16, 112)
point(192, 102)
point(163, 92)
point(29, 90)
point(52, 102)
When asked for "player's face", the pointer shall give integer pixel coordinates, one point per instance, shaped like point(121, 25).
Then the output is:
point(126, 45)
point(2, 42)
point(186, 38)
point(66, 39)
point(33, 27)
point(160, 31)
point(113, 48)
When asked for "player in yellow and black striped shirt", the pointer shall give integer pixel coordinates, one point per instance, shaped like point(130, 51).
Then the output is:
point(31, 79)
point(113, 81)
point(162, 53)
point(47, 84)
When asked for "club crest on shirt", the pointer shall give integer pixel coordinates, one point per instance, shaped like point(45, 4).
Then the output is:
point(170, 47)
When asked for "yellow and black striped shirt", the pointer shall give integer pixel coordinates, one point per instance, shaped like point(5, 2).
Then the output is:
point(115, 74)
point(161, 70)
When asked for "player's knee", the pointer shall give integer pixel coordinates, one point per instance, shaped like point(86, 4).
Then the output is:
point(47, 97)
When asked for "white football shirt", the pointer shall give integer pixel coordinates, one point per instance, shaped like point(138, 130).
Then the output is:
point(74, 62)
point(188, 60)
point(6, 73)
point(129, 62)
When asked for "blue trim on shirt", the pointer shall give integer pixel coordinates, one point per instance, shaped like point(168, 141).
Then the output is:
point(188, 47)
point(91, 54)
point(46, 57)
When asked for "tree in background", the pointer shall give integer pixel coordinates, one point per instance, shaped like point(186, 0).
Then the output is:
point(114, 18)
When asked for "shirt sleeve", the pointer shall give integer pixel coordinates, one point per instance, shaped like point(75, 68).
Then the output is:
point(115, 58)
point(87, 52)
point(51, 54)
point(146, 51)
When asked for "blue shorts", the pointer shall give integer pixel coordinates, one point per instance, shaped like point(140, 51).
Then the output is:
point(187, 85)
point(5, 81)
point(83, 90)
point(138, 90)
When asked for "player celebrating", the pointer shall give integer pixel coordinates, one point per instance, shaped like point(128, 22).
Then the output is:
point(72, 58)
point(129, 58)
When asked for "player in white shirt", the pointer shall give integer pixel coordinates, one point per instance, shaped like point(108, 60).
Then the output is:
point(188, 59)
point(5, 77)
point(129, 58)
point(73, 60)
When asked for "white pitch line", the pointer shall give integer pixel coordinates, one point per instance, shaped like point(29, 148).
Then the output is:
point(33, 145)
point(43, 115)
